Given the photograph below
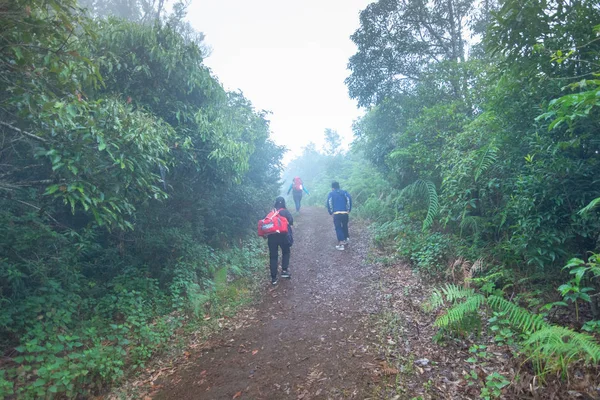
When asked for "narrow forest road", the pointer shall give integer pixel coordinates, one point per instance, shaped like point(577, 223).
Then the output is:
point(309, 338)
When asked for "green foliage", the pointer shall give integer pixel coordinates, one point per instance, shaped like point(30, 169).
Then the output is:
point(593, 204)
point(501, 149)
point(429, 252)
point(508, 181)
point(549, 347)
point(395, 49)
point(494, 383)
point(129, 179)
point(500, 326)
point(556, 348)
point(488, 158)
point(426, 190)
point(592, 326)
point(462, 317)
point(518, 317)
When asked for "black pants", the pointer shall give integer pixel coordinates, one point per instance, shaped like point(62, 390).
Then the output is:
point(276, 241)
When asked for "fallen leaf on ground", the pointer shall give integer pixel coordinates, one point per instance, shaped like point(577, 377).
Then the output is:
point(238, 394)
point(254, 352)
point(387, 370)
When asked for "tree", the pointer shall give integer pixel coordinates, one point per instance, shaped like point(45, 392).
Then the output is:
point(145, 11)
point(122, 159)
point(402, 43)
point(333, 142)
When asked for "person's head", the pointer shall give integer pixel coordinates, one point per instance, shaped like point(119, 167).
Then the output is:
point(279, 203)
point(335, 185)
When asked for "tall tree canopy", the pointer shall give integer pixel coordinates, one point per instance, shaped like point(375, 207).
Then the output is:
point(403, 43)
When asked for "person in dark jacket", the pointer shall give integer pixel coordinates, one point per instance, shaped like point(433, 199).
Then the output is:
point(283, 240)
point(339, 204)
point(297, 187)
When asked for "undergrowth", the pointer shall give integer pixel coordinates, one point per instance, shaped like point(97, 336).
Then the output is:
point(550, 348)
point(76, 345)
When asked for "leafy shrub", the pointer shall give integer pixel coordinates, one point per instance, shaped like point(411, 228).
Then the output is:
point(430, 252)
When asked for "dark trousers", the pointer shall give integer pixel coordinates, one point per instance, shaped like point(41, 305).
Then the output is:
point(340, 221)
point(297, 199)
point(276, 241)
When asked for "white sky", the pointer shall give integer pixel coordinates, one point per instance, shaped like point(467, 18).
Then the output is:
point(287, 57)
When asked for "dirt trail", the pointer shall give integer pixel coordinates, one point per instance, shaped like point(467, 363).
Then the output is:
point(310, 336)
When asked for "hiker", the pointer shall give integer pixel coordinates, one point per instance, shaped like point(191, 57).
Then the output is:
point(298, 187)
point(283, 240)
point(339, 204)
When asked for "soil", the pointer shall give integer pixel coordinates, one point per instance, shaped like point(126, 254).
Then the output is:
point(309, 338)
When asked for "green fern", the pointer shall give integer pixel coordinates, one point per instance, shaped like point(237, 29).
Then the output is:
point(555, 348)
point(517, 316)
point(488, 158)
point(593, 204)
point(449, 293)
point(435, 301)
point(460, 311)
point(454, 292)
point(470, 222)
point(550, 348)
point(424, 189)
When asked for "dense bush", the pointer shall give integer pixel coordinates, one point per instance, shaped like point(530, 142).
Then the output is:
point(129, 179)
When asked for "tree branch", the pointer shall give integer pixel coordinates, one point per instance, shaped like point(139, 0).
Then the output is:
point(22, 132)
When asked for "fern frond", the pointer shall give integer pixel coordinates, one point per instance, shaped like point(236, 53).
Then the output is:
point(558, 341)
point(470, 222)
point(470, 270)
point(593, 204)
point(488, 158)
point(424, 189)
point(459, 312)
point(517, 316)
point(434, 206)
point(458, 263)
point(435, 301)
point(455, 292)
point(478, 266)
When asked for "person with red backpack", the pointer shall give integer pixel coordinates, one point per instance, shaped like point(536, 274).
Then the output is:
point(277, 228)
point(298, 187)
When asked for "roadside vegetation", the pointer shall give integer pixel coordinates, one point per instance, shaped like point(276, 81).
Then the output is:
point(477, 163)
point(129, 181)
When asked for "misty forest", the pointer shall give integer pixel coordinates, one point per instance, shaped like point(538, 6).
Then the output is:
point(131, 183)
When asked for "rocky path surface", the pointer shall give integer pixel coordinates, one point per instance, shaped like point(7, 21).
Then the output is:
point(309, 338)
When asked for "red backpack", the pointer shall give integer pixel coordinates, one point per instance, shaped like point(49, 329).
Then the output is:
point(272, 223)
point(297, 184)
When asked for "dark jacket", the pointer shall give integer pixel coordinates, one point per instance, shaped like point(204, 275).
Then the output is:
point(339, 201)
point(287, 215)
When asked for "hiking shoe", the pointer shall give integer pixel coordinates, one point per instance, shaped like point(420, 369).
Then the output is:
point(274, 282)
point(340, 247)
point(347, 240)
point(285, 274)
